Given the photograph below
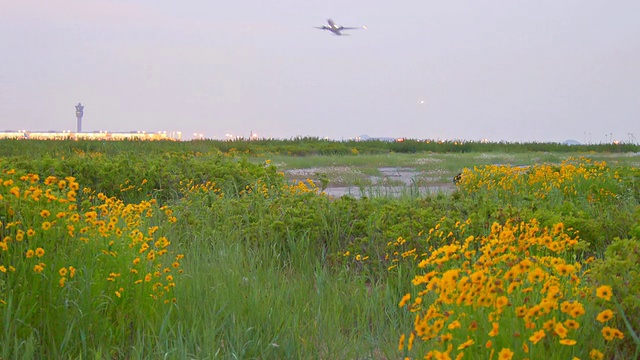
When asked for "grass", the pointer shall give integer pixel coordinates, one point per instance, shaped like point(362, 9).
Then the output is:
point(271, 270)
point(259, 305)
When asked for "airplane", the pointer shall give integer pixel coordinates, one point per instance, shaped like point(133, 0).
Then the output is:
point(337, 29)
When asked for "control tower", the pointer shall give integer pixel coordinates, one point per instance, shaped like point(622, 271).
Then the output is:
point(79, 113)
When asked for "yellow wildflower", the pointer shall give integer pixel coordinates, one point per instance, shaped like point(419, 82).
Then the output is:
point(605, 316)
point(403, 301)
point(401, 342)
point(494, 329)
point(454, 325)
point(595, 354)
point(466, 344)
point(39, 252)
point(505, 354)
point(604, 292)
point(537, 336)
point(560, 330)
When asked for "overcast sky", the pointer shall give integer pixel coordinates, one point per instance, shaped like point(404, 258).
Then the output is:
point(513, 70)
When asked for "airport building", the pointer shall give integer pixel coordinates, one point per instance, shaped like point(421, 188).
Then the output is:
point(96, 135)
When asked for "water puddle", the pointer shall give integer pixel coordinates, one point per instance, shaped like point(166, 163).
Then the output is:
point(391, 182)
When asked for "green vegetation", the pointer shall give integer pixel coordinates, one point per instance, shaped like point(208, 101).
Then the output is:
point(208, 250)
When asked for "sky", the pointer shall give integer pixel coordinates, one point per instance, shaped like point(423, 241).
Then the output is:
point(496, 70)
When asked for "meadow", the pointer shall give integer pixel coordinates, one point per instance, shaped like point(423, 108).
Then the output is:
point(214, 250)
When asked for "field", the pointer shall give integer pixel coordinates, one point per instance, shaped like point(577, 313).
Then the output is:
point(311, 249)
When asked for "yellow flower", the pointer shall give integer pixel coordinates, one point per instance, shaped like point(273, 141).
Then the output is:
point(62, 281)
point(45, 213)
point(604, 292)
point(537, 336)
point(466, 344)
point(608, 333)
point(412, 338)
point(454, 325)
point(560, 330)
point(401, 342)
point(143, 248)
point(564, 269)
point(577, 309)
point(403, 301)
point(494, 329)
point(501, 302)
point(46, 225)
point(596, 355)
point(38, 268)
point(30, 232)
point(62, 271)
point(571, 324)
point(39, 252)
point(567, 342)
point(29, 254)
point(505, 354)
point(605, 316)
point(3, 269)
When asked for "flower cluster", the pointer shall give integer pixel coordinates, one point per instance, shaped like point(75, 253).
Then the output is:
point(573, 177)
point(516, 291)
point(111, 243)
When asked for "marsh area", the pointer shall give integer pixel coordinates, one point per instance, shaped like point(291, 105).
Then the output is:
point(412, 174)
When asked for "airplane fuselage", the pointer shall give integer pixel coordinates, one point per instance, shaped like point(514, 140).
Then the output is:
point(334, 28)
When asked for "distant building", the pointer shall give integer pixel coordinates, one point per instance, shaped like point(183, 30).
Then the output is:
point(96, 135)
